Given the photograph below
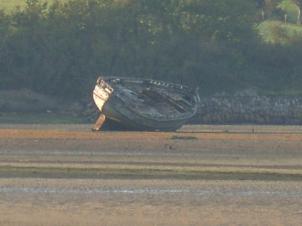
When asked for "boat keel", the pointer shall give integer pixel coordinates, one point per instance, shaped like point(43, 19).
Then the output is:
point(99, 123)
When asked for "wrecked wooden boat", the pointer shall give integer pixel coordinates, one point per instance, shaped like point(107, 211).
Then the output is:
point(144, 104)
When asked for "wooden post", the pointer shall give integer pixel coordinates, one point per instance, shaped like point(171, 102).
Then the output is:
point(99, 123)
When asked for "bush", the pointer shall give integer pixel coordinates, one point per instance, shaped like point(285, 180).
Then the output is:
point(59, 49)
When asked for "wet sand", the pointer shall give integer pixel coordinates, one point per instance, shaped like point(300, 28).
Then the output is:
point(200, 175)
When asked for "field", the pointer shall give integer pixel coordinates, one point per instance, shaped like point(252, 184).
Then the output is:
point(199, 175)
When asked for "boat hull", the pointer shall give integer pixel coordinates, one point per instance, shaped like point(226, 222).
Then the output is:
point(129, 119)
point(115, 108)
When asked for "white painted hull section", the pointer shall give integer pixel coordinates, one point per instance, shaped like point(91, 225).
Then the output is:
point(101, 96)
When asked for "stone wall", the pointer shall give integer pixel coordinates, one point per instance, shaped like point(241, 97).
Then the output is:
point(243, 108)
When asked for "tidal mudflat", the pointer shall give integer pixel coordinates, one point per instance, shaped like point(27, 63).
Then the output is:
point(200, 175)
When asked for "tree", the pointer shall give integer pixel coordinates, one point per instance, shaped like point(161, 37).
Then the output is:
point(291, 10)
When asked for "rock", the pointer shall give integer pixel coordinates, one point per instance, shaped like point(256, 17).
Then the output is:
point(249, 107)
